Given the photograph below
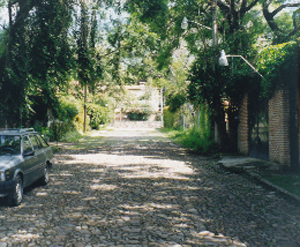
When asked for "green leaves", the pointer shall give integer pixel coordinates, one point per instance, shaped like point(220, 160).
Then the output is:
point(279, 64)
point(37, 58)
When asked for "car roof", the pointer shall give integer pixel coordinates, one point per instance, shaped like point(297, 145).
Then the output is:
point(17, 131)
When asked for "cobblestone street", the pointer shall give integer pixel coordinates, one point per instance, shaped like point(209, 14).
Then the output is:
point(136, 188)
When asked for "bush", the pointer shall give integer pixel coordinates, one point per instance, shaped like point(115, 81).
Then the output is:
point(171, 119)
point(58, 129)
point(44, 131)
point(138, 114)
point(65, 121)
point(68, 109)
point(71, 136)
point(200, 142)
point(98, 115)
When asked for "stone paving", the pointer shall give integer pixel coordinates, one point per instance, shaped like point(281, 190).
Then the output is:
point(137, 188)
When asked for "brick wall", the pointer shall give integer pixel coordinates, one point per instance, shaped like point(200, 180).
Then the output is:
point(279, 145)
point(243, 130)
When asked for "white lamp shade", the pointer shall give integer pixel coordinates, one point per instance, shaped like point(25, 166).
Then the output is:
point(223, 59)
point(184, 23)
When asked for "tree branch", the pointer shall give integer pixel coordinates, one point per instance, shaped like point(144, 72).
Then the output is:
point(251, 5)
point(269, 16)
point(280, 8)
point(223, 6)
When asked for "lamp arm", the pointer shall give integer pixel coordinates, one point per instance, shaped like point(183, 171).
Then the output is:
point(245, 60)
point(201, 25)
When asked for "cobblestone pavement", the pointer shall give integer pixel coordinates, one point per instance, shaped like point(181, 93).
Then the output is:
point(137, 188)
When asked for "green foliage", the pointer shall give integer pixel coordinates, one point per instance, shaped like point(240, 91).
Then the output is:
point(150, 11)
point(98, 114)
point(290, 182)
point(196, 140)
point(279, 64)
point(89, 68)
point(2, 43)
point(58, 129)
point(171, 119)
point(138, 114)
point(37, 58)
point(202, 119)
point(68, 119)
point(132, 43)
point(211, 83)
point(45, 132)
point(71, 136)
point(175, 102)
point(68, 109)
point(176, 83)
point(204, 84)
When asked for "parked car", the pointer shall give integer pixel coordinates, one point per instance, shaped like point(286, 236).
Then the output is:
point(25, 157)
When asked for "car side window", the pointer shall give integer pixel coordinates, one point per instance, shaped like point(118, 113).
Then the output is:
point(26, 144)
point(42, 141)
point(34, 142)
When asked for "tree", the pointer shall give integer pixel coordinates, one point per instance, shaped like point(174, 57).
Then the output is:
point(35, 58)
point(282, 32)
point(88, 62)
point(51, 57)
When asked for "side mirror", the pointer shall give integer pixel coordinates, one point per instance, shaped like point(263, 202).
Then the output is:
point(28, 153)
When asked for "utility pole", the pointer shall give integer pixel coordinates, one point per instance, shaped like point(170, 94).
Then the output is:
point(217, 129)
point(214, 23)
point(84, 109)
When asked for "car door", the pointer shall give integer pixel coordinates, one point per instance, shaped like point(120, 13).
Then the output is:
point(40, 155)
point(30, 161)
point(46, 148)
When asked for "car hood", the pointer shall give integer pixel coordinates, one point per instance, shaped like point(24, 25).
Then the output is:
point(9, 161)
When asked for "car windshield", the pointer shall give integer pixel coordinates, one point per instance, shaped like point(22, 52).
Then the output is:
point(10, 145)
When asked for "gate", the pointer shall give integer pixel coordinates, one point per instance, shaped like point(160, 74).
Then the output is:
point(258, 128)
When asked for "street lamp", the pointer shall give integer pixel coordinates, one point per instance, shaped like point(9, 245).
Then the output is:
point(223, 61)
point(185, 21)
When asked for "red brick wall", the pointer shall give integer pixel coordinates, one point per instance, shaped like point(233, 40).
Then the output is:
point(243, 130)
point(279, 145)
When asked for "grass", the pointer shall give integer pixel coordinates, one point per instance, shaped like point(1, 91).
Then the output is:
point(73, 136)
point(200, 142)
point(290, 182)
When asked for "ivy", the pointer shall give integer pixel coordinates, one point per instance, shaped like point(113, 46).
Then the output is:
point(279, 64)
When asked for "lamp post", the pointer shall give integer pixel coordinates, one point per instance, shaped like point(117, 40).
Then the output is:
point(185, 21)
point(184, 25)
point(223, 61)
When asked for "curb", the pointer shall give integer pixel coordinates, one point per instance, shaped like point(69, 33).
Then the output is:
point(267, 184)
point(283, 192)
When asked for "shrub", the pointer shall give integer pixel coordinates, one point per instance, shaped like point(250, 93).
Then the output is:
point(68, 109)
point(44, 131)
point(98, 115)
point(59, 129)
point(65, 121)
point(71, 136)
point(171, 119)
point(138, 114)
point(200, 142)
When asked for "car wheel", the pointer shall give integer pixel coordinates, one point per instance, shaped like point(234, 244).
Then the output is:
point(45, 178)
point(16, 197)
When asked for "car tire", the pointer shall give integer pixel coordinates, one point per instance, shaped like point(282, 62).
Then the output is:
point(16, 197)
point(45, 178)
